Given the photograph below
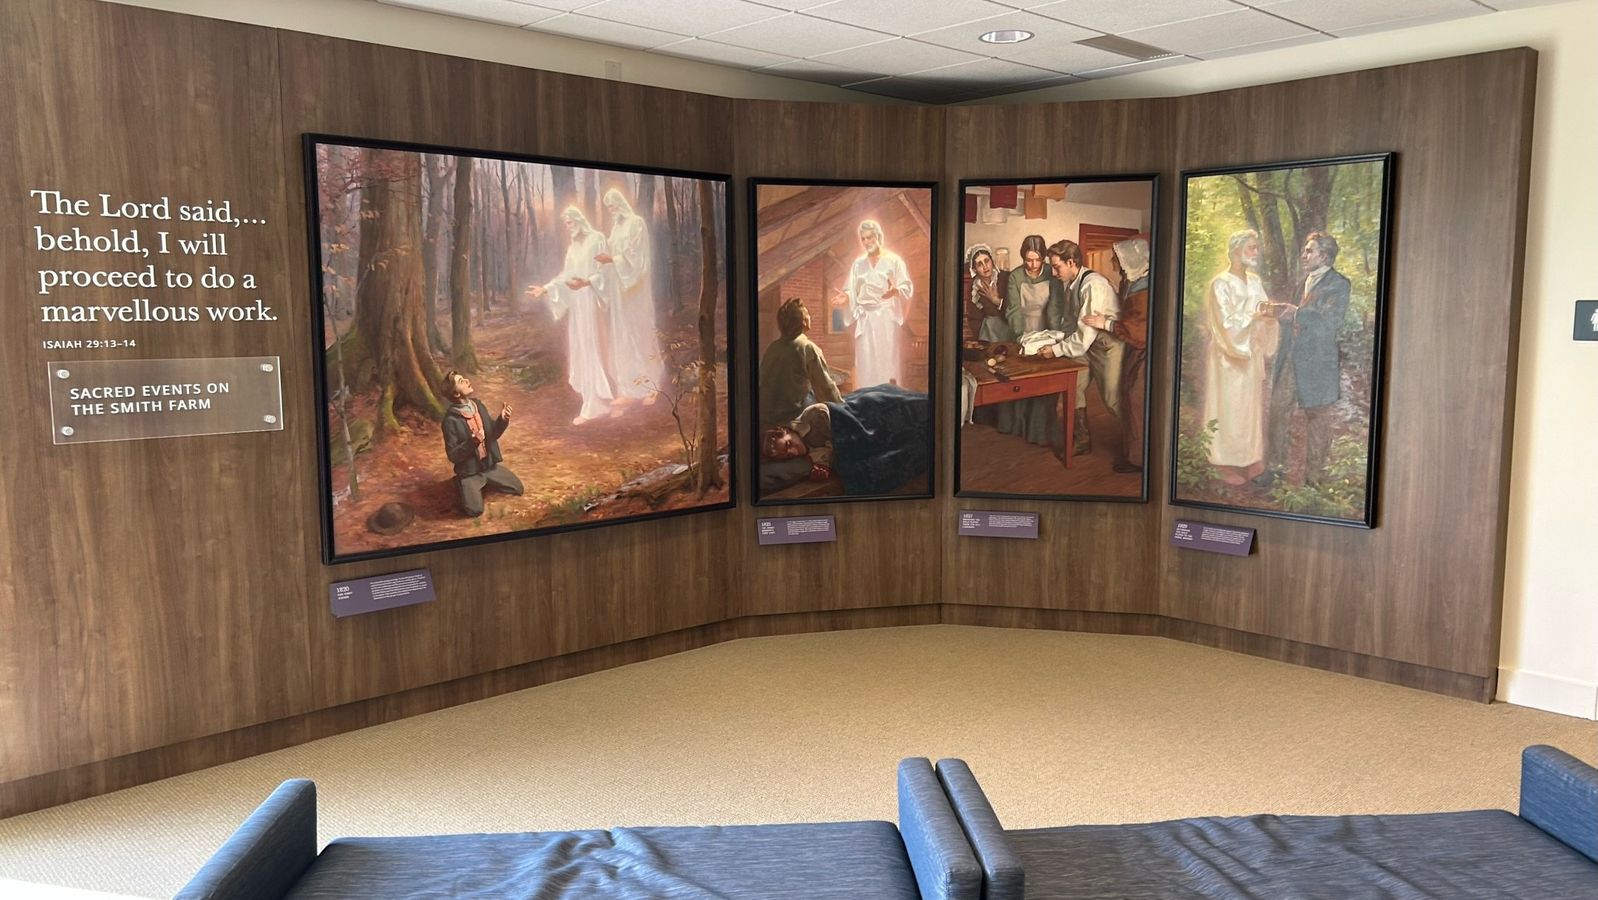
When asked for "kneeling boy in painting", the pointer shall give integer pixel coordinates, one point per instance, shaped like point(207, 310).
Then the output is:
point(471, 441)
point(809, 435)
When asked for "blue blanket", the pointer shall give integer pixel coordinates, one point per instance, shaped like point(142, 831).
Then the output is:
point(881, 438)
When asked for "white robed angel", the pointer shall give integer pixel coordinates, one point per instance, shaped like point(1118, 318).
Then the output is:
point(584, 290)
point(635, 361)
point(877, 296)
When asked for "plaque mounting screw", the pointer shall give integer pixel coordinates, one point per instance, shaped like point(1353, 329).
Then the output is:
point(62, 373)
point(270, 420)
point(266, 367)
point(66, 430)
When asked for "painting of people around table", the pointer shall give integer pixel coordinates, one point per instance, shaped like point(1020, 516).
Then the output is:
point(512, 345)
point(843, 297)
point(1278, 381)
point(1055, 281)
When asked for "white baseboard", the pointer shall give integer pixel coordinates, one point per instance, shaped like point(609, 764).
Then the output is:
point(1552, 693)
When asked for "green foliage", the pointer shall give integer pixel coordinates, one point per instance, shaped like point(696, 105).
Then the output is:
point(360, 437)
point(1340, 491)
point(575, 505)
point(1193, 468)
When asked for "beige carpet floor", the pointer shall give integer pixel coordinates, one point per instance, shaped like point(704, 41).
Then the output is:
point(1060, 728)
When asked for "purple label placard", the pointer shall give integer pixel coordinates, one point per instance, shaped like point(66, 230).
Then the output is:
point(364, 595)
point(1212, 538)
point(796, 530)
point(993, 523)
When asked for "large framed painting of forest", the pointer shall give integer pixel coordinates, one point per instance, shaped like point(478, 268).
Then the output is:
point(843, 299)
point(509, 345)
point(1280, 332)
point(1055, 280)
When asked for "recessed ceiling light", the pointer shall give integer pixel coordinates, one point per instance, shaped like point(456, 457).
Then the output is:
point(1009, 36)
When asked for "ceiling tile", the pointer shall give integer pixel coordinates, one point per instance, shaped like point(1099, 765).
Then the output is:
point(899, 56)
point(810, 70)
point(968, 37)
point(985, 73)
point(1117, 16)
point(1072, 58)
point(562, 5)
point(589, 29)
point(905, 89)
point(1198, 37)
point(1409, 23)
point(794, 5)
point(1134, 66)
point(1505, 4)
point(1313, 37)
point(1339, 18)
point(682, 16)
point(793, 34)
point(904, 18)
point(500, 12)
point(721, 54)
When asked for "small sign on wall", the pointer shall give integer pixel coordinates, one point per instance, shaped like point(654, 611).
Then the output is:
point(796, 530)
point(93, 400)
point(991, 523)
point(1586, 320)
point(1212, 538)
point(364, 595)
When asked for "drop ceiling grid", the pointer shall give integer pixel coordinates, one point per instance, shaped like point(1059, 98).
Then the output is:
point(928, 50)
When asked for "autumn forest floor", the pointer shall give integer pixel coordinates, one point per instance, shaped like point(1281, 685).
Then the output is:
point(570, 471)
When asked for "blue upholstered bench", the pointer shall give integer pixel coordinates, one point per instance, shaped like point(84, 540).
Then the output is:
point(273, 855)
point(1548, 852)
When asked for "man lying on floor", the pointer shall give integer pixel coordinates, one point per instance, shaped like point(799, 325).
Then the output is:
point(874, 441)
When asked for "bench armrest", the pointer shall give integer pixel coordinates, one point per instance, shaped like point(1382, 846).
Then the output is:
point(267, 854)
point(942, 861)
point(1559, 794)
point(1003, 877)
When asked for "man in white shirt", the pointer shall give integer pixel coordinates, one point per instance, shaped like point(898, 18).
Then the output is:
point(875, 303)
point(1089, 294)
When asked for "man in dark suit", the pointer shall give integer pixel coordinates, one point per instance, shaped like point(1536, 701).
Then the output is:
point(1308, 375)
point(471, 441)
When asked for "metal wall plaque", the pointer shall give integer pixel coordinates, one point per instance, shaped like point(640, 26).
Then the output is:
point(990, 523)
point(796, 530)
point(94, 400)
point(1212, 538)
point(364, 595)
point(1586, 320)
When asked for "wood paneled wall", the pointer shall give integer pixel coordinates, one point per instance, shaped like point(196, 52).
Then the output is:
point(163, 605)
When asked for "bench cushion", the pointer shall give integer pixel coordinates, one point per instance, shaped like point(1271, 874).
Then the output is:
point(773, 862)
point(1488, 853)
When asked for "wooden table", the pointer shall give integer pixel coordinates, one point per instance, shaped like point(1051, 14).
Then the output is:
point(1032, 376)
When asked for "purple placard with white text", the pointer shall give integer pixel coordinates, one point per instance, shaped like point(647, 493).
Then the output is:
point(1210, 538)
point(364, 595)
point(994, 523)
point(796, 530)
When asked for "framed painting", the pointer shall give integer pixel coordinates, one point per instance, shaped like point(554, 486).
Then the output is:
point(842, 298)
point(1055, 281)
point(511, 345)
point(1279, 338)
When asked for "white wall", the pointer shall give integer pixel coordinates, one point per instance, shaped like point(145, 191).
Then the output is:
point(1550, 643)
point(376, 23)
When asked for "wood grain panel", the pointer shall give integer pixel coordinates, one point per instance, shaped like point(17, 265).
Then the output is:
point(152, 588)
point(1425, 586)
point(1089, 556)
point(887, 551)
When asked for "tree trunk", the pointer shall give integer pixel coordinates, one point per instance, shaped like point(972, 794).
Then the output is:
point(389, 311)
point(673, 229)
point(591, 182)
point(709, 467)
point(462, 354)
point(563, 182)
point(508, 229)
point(434, 227)
point(485, 210)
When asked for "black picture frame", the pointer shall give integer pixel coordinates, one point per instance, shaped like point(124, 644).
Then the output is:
point(754, 185)
point(1381, 273)
point(309, 143)
point(1153, 180)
